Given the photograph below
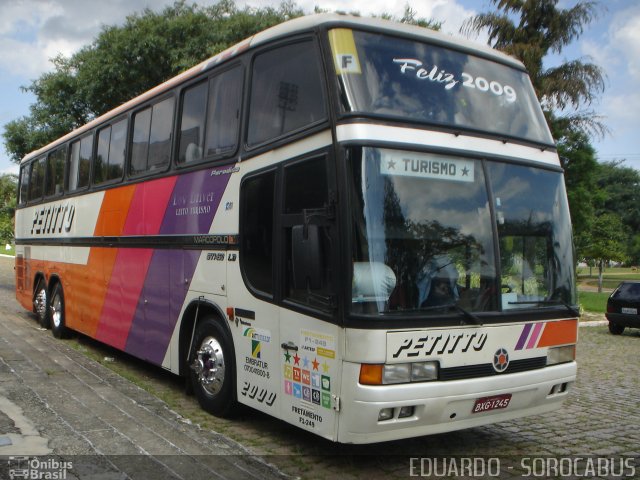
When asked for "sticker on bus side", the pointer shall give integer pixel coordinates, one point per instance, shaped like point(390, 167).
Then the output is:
point(423, 165)
point(343, 48)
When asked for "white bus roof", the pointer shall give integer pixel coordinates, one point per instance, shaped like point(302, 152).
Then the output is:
point(285, 29)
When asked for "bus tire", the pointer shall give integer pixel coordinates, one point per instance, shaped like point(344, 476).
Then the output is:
point(212, 368)
point(41, 303)
point(57, 316)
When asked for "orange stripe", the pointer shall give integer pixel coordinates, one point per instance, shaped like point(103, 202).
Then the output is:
point(114, 210)
point(111, 220)
point(559, 333)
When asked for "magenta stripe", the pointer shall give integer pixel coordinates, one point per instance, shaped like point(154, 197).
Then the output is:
point(534, 336)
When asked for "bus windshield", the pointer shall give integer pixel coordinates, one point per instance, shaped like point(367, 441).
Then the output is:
point(432, 232)
point(410, 80)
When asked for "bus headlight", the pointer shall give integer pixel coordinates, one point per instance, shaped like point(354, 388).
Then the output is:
point(398, 373)
point(564, 354)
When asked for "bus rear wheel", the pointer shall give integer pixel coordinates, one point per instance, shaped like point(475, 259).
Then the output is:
point(58, 326)
point(212, 369)
point(41, 303)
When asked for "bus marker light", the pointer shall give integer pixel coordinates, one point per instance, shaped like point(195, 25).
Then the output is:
point(564, 354)
point(396, 373)
point(385, 414)
point(424, 371)
point(406, 412)
point(370, 374)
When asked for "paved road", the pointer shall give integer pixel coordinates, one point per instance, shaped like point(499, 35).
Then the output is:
point(89, 422)
point(57, 402)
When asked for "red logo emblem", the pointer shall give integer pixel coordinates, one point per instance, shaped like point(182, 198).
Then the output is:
point(500, 360)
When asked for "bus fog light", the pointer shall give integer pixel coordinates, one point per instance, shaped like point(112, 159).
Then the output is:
point(398, 373)
point(424, 371)
point(406, 412)
point(385, 414)
point(564, 354)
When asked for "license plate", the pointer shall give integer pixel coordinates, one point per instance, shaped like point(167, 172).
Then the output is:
point(496, 402)
point(631, 311)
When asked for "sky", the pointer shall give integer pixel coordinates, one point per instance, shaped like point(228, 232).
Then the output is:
point(34, 31)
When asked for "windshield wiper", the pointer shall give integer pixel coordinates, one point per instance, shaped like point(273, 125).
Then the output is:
point(466, 313)
point(571, 309)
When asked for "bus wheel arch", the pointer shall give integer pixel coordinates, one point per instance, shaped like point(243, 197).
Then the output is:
point(211, 364)
point(41, 300)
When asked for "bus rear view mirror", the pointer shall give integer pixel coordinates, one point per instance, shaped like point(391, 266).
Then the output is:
point(306, 257)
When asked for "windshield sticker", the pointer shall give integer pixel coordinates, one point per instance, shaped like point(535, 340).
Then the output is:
point(411, 164)
point(432, 73)
point(343, 47)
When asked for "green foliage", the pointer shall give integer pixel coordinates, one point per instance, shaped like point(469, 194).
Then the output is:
point(606, 242)
point(620, 194)
point(125, 61)
point(578, 159)
point(8, 187)
point(593, 301)
point(530, 30)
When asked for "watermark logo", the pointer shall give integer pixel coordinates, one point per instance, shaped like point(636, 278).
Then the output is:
point(38, 469)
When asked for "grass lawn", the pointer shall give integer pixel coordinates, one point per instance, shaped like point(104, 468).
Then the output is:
point(593, 301)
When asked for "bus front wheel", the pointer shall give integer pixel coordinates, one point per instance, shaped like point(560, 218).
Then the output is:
point(58, 327)
point(212, 369)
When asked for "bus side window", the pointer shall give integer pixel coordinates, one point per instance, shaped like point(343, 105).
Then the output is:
point(55, 172)
point(112, 142)
point(80, 163)
point(36, 183)
point(256, 230)
point(25, 173)
point(194, 103)
point(225, 100)
point(286, 92)
point(152, 128)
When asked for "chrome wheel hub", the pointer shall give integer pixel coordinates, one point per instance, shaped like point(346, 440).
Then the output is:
point(209, 366)
point(40, 303)
point(56, 311)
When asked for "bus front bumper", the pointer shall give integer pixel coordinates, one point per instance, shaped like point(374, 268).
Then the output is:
point(437, 407)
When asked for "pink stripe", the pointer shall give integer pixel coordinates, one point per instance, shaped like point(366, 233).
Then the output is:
point(148, 207)
point(123, 294)
point(534, 336)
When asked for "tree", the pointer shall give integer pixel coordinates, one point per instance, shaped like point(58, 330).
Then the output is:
point(8, 185)
point(578, 159)
point(125, 61)
point(530, 30)
point(607, 242)
point(620, 194)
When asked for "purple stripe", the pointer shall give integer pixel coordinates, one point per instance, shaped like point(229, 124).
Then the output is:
point(194, 201)
point(192, 206)
point(164, 291)
point(523, 337)
point(535, 335)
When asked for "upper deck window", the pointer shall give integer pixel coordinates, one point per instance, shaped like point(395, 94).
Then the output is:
point(151, 149)
point(216, 104)
point(286, 92)
point(36, 182)
point(55, 172)
point(112, 142)
point(415, 81)
point(80, 163)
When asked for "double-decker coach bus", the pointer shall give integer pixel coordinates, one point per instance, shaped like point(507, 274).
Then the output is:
point(356, 226)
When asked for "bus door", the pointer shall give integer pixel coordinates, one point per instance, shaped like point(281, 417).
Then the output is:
point(309, 339)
